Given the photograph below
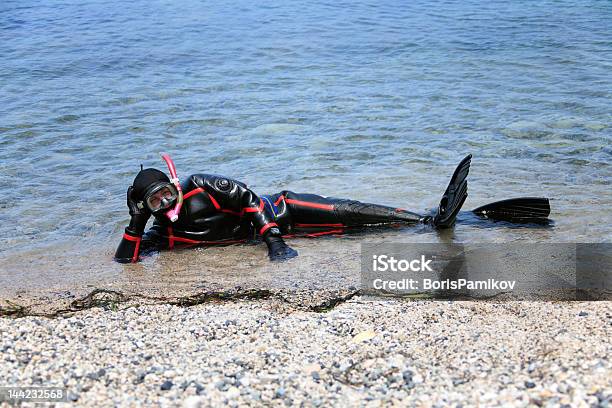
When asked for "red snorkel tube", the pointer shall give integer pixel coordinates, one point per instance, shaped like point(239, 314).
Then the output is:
point(173, 213)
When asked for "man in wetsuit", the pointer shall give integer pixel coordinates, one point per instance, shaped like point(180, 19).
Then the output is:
point(216, 210)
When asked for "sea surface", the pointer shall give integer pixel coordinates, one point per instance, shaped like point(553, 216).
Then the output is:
point(370, 100)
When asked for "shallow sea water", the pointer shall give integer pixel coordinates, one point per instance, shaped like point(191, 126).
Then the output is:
point(367, 100)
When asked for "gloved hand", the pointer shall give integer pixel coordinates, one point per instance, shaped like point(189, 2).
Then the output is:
point(278, 251)
point(139, 215)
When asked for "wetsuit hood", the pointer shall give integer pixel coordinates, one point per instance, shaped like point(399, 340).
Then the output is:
point(146, 180)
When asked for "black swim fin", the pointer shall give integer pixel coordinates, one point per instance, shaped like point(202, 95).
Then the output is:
point(517, 210)
point(454, 196)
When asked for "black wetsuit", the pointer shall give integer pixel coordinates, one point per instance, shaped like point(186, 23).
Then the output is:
point(219, 211)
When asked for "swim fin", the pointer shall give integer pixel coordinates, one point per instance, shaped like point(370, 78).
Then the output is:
point(517, 210)
point(454, 196)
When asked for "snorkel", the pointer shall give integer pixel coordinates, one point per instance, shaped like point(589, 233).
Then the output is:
point(174, 212)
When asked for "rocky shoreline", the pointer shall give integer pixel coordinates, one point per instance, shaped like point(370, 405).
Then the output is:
point(367, 352)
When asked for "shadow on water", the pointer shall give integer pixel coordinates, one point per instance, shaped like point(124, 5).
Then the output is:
point(472, 220)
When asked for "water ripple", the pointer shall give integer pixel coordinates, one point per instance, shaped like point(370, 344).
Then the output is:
point(313, 97)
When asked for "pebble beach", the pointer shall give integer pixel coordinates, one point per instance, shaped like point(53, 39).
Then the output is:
point(363, 352)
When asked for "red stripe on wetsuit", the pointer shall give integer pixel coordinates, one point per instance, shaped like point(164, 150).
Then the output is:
point(193, 192)
point(328, 207)
point(316, 234)
point(254, 209)
point(218, 206)
point(319, 225)
point(267, 227)
point(172, 239)
point(136, 248)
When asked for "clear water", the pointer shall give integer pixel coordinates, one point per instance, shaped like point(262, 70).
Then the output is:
point(368, 100)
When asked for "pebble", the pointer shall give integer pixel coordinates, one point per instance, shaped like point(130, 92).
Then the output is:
point(232, 393)
point(280, 393)
point(166, 385)
point(193, 401)
point(365, 352)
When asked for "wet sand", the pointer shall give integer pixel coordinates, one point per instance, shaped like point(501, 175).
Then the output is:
point(325, 271)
